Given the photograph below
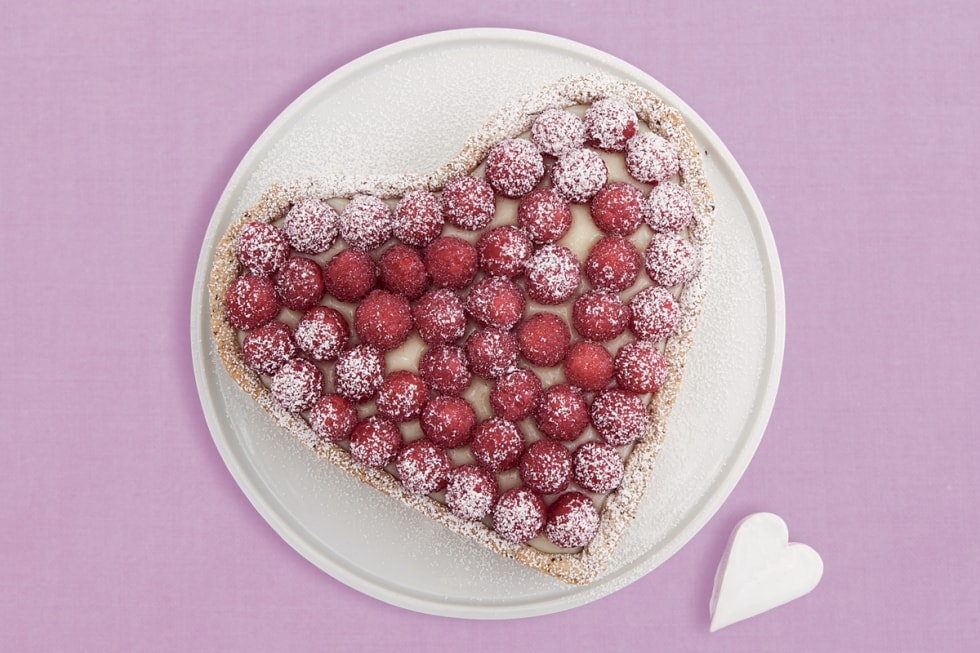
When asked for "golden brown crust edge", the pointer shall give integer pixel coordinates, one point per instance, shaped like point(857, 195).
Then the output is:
point(621, 505)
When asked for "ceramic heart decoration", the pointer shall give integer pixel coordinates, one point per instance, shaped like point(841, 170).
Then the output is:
point(496, 343)
point(761, 570)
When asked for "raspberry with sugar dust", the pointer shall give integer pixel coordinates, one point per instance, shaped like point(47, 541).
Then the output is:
point(451, 262)
point(514, 166)
point(418, 218)
point(544, 215)
point(670, 261)
point(299, 283)
point(600, 315)
point(556, 131)
point(332, 418)
point(563, 413)
point(322, 333)
point(445, 369)
point(546, 466)
point(551, 275)
point(610, 123)
point(640, 367)
point(589, 366)
point(617, 209)
point(519, 515)
point(613, 263)
point(383, 319)
point(651, 158)
point(250, 302)
point(543, 339)
point(598, 467)
point(359, 372)
point(503, 251)
point(653, 313)
point(497, 445)
point(297, 385)
point(311, 226)
point(468, 203)
point(578, 175)
point(423, 467)
point(668, 208)
point(439, 316)
point(375, 441)
point(491, 352)
point(619, 416)
point(516, 394)
point(350, 275)
point(401, 396)
point(496, 302)
point(572, 521)
point(401, 271)
point(268, 347)
point(366, 222)
point(447, 421)
point(471, 492)
point(262, 248)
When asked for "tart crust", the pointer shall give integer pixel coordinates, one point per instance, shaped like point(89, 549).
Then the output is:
point(621, 505)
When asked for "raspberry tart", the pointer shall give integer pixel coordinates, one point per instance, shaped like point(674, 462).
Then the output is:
point(496, 343)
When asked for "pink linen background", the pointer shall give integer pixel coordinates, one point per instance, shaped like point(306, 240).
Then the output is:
point(120, 124)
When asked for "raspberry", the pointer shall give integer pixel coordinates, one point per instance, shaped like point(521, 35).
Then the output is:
point(451, 262)
point(332, 418)
point(262, 248)
point(299, 283)
point(375, 441)
point(609, 123)
point(613, 264)
point(496, 302)
point(250, 302)
point(423, 467)
point(350, 275)
point(516, 394)
point(401, 396)
point(418, 218)
point(471, 492)
point(322, 333)
point(447, 421)
point(359, 372)
point(563, 413)
point(651, 158)
point(445, 369)
point(468, 203)
point(383, 319)
point(589, 366)
point(619, 416)
point(668, 208)
point(640, 367)
point(598, 467)
point(311, 226)
point(578, 175)
point(519, 515)
point(544, 215)
point(543, 339)
point(572, 520)
point(297, 385)
point(552, 274)
point(653, 313)
point(546, 466)
point(491, 352)
point(600, 315)
point(439, 316)
point(617, 209)
point(557, 131)
point(402, 271)
point(366, 222)
point(670, 261)
point(504, 251)
point(497, 445)
point(513, 167)
point(266, 348)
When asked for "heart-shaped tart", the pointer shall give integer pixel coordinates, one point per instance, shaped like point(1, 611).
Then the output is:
point(497, 343)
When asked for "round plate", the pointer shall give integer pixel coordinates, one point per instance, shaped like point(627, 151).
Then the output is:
point(409, 107)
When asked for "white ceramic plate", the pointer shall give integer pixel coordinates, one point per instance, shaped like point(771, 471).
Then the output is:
point(408, 108)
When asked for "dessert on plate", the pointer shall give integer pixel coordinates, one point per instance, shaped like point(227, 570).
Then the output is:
point(496, 343)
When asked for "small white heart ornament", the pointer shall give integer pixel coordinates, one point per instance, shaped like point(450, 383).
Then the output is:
point(761, 570)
